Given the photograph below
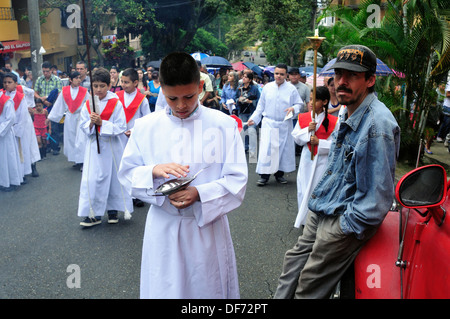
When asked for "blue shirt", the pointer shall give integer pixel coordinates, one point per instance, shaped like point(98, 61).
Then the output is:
point(358, 183)
point(228, 93)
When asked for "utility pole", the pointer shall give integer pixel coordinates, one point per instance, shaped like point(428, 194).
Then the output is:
point(35, 38)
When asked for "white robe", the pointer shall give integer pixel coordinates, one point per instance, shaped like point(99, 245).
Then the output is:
point(276, 148)
point(25, 135)
point(35, 155)
point(74, 139)
point(100, 189)
point(188, 253)
point(309, 171)
point(10, 166)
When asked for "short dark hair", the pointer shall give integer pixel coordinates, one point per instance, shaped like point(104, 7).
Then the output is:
point(178, 68)
point(46, 65)
point(36, 100)
point(282, 66)
point(101, 75)
point(74, 74)
point(10, 75)
point(367, 76)
point(131, 73)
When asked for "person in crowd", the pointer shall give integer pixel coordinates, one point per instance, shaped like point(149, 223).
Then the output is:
point(247, 97)
point(303, 89)
point(47, 89)
point(81, 67)
point(278, 104)
point(115, 80)
point(69, 105)
point(356, 191)
point(229, 91)
point(28, 77)
point(312, 134)
point(444, 128)
point(154, 88)
point(333, 106)
point(41, 123)
point(100, 189)
point(178, 257)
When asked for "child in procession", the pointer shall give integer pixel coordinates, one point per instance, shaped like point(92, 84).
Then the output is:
point(69, 104)
point(100, 189)
point(135, 105)
point(312, 135)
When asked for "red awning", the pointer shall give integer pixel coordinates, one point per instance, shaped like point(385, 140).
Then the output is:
point(10, 46)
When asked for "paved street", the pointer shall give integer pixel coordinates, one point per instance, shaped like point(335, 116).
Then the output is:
point(41, 237)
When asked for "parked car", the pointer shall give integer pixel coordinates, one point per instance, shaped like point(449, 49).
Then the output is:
point(409, 256)
point(246, 53)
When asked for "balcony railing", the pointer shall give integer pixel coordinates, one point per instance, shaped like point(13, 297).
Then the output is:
point(6, 14)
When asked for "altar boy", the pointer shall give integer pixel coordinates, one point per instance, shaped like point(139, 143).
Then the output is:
point(100, 189)
point(187, 249)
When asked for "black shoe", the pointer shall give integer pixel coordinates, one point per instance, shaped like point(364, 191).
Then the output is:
point(281, 180)
point(88, 221)
point(34, 171)
point(138, 203)
point(112, 217)
point(262, 181)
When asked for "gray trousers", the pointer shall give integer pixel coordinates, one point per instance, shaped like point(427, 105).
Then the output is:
point(314, 266)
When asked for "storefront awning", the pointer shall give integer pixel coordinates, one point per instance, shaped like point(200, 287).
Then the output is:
point(11, 46)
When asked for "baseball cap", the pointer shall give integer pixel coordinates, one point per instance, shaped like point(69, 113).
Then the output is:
point(358, 58)
point(303, 74)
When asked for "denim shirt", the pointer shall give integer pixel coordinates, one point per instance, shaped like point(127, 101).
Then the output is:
point(358, 183)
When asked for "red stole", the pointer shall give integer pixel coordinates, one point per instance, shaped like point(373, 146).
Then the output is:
point(18, 99)
point(107, 111)
point(3, 99)
point(73, 105)
point(134, 105)
point(305, 118)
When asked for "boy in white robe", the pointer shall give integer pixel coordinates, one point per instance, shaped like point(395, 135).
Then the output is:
point(100, 189)
point(23, 127)
point(310, 170)
point(10, 167)
point(70, 103)
point(135, 105)
point(187, 248)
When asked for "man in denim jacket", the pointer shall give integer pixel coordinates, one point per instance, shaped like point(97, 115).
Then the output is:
point(355, 193)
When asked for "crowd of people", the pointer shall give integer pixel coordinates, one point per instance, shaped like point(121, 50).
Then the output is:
point(348, 139)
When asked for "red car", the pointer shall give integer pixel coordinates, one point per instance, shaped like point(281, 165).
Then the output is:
point(409, 257)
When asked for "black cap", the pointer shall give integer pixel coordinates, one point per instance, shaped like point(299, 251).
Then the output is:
point(292, 70)
point(358, 58)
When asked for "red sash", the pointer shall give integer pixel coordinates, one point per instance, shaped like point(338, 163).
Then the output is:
point(18, 99)
point(107, 111)
point(73, 105)
point(134, 105)
point(19, 88)
point(305, 118)
point(3, 99)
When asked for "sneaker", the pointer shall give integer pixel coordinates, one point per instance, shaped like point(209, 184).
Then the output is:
point(262, 181)
point(281, 180)
point(112, 217)
point(138, 203)
point(439, 140)
point(91, 221)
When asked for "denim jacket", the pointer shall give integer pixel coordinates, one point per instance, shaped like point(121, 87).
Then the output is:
point(358, 183)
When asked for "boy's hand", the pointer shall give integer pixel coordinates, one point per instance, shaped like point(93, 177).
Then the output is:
point(312, 126)
point(184, 198)
point(175, 169)
point(127, 133)
point(95, 119)
point(314, 140)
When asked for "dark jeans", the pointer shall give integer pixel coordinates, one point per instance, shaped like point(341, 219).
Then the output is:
point(57, 130)
point(445, 127)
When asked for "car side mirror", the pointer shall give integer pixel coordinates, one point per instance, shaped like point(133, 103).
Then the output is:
point(424, 187)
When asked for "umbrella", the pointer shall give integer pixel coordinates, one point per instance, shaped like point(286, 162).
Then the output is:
point(238, 66)
point(382, 69)
point(216, 61)
point(199, 55)
point(254, 68)
point(309, 70)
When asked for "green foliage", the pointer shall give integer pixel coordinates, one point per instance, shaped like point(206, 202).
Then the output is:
point(414, 39)
point(117, 54)
point(204, 41)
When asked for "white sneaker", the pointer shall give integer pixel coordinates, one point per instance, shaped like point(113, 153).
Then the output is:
point(439, 140)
